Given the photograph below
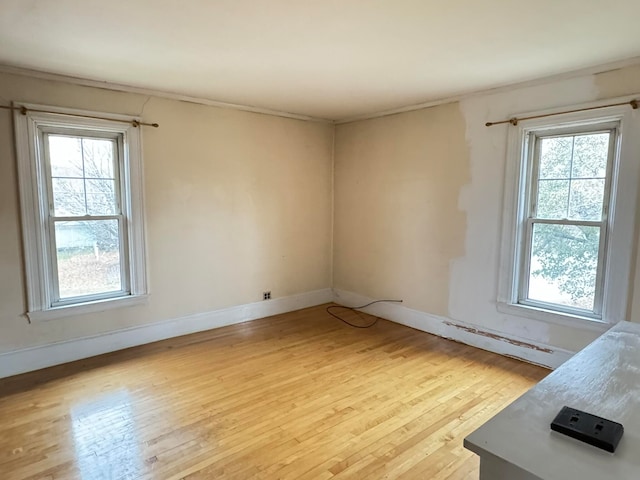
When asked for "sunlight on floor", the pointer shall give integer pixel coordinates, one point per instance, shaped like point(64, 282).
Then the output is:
point(105, 438)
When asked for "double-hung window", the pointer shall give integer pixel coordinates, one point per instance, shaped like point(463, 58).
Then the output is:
point(569, 216)
point(81, 192)
point(565, 230)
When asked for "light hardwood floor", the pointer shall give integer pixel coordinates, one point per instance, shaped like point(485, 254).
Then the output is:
point(294, 396)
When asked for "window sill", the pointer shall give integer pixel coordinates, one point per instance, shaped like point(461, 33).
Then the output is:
point(85, 308)
point(557, 318)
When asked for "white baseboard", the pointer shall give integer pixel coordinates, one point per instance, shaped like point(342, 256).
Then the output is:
point(35, 358)
point(493, 341)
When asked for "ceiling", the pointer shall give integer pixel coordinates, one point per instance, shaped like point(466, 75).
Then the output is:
point(331, 59)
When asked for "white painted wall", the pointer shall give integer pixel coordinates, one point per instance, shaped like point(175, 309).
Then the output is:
point(391, 154)
point(474, 276)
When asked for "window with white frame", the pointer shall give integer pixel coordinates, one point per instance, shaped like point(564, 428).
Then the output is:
point(81, 197)
point(569, 215)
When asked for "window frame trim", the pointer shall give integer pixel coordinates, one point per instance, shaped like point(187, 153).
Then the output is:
point(34, 205)
point(621, 212)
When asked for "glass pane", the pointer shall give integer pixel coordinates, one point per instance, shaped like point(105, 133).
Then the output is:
point(586, 199)
point(83, 176)
point(101, 197)
point(68, 196)
point(564, 263)
point(590, 156)
point(88, 254)
point(555, 157)
point(98, 158)
point(553, 198)
point(65, 155)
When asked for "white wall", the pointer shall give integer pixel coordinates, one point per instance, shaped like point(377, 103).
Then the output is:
point(404, 227)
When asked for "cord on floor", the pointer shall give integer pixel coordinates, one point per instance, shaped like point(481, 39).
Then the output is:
point(354, 309)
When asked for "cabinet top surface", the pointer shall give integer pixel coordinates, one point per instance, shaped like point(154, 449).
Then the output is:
point(603, 379)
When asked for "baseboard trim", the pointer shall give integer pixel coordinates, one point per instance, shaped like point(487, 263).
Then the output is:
point(485, 339)
point(35, 358)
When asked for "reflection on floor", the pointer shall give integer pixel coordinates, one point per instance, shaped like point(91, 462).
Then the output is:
point(104, 433)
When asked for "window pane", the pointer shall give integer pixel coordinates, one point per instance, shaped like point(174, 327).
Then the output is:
point(590, 156)
point(101, 197)
point(65, 156)
point(98, 158)
point(68, 196)
point(83, 176)
point(564, 263)
point(553, 198)
point(586, 199)
point(88, 255)
point(555, 157)
point(572, 176)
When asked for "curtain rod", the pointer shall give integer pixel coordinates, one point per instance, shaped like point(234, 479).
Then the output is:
point(514, 121)
point(23, 110)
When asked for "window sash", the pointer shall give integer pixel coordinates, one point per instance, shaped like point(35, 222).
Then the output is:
point(523, 295)
point(532, 147)
point(125, 288)
point(118, 164)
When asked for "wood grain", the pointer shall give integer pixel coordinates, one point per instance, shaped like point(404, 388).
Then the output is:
point(294, 396)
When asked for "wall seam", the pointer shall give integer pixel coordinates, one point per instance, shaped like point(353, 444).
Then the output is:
point(333, 207)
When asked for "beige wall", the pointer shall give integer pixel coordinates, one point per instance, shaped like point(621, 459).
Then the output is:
point(397, 224)
point(419, 202)
point(236, 203)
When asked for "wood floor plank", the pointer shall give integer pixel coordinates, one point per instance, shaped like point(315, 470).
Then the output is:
point(294, 396)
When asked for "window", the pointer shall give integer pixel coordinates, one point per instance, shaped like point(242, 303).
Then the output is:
point(566, 226)
point(569, 216)
point(81, 192)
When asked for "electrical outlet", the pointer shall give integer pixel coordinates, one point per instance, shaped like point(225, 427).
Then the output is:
point(588, 428)
point(266, 295)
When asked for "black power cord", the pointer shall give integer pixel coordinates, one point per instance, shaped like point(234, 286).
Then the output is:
point(358, 308)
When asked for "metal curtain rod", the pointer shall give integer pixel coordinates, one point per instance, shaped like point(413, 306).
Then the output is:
point(514, 121)
point(23, 110)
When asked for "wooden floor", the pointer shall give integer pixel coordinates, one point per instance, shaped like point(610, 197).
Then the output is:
point(295, 396)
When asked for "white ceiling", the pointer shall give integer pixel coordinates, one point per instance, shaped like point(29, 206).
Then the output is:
point(330, 59)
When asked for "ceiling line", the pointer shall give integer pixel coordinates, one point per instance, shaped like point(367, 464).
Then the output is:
point(606, 67)
point(602, 68)
point(87, 82)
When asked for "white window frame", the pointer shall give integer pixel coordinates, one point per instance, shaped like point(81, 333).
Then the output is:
point(617, 259)
point(34, 180)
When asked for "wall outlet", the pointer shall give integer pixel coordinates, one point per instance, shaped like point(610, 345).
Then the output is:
point(266, 295)
point(588, 428)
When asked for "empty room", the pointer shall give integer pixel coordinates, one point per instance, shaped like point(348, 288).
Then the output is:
point(319, 240)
